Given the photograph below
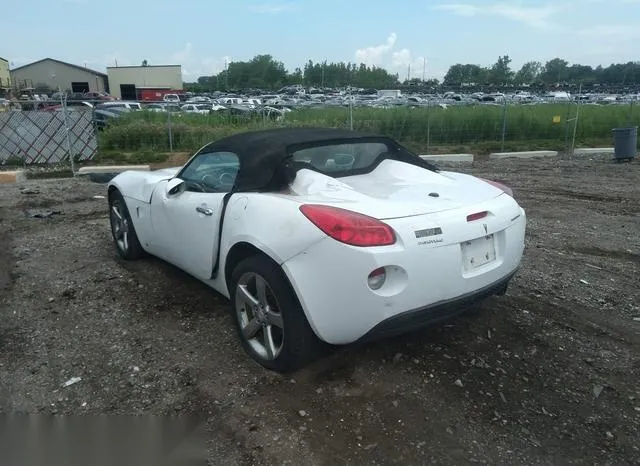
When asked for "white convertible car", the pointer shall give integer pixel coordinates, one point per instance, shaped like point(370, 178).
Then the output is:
point(322, 236)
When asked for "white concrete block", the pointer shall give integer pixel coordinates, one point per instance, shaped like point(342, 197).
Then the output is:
point(111, 169)
point(594, 150)
point(448, 157)
point(524, 155)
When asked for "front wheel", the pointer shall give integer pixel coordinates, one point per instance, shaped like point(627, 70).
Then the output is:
point(122, 229)
point(270, 322)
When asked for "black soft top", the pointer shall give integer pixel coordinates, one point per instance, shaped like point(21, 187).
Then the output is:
point(265, 156)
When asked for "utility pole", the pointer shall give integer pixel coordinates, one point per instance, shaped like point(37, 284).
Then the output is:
point(409, 73)
point(226, 75)
point(424, 68)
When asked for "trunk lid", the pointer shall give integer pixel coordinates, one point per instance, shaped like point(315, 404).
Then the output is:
point(393, 190)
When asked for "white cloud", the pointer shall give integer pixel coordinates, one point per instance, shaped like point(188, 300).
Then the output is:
point(460, 9)
point(183, 55)
point(534, 16)
point(270, 8)
point(376, 54)
point(401, 58)
point(611, 31)
point(395, 61)
point(194, 65)
point(209, 66)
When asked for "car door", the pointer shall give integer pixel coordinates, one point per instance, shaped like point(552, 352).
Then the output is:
point(185, 212)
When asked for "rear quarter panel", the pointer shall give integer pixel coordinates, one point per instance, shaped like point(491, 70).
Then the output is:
point(272, 223)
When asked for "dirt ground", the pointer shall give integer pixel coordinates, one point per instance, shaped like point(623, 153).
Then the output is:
point(547, 374)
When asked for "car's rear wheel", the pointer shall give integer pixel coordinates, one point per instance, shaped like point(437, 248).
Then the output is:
point(270, 322)
point(122, 229)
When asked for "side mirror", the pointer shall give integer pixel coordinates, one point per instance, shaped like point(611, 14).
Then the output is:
point(174, 186)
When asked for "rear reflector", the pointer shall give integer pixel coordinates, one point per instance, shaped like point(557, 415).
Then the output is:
point(377, 278)
point(476, 216)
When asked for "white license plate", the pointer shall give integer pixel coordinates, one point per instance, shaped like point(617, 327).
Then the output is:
point(478, 252)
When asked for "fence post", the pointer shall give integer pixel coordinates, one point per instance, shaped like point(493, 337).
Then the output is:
point(575, 125)
point(63, 101)
point(567, 120)
point(350, 112)
point(504, 123)
point(170, 130)
point(428, 126)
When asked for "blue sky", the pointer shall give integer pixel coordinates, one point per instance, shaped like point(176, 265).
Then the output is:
point(201, 34)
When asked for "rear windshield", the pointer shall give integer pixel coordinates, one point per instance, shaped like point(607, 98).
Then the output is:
point(343, 159)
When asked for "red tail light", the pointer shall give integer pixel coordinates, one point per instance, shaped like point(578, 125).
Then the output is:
point(349, 227)
point(504, 188)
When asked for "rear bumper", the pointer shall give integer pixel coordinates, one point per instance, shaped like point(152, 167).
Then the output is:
point(434, 313)
point(330, 278)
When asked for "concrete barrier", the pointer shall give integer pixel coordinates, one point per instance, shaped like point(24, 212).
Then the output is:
point(111, 169)
point(448, 157)
point(10, 177)
point(524, 155)
point(594, 151)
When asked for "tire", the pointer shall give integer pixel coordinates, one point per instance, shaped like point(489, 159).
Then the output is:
point(123, 232)
point(294, 343)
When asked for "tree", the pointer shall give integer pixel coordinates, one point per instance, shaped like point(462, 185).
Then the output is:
point(555, 71)
point(265, 72)
point(347, 74)
point(455, 75)
point(296, 77)
point(528, 73)
point(581, 74)
point(460, 74)
point(500, 73)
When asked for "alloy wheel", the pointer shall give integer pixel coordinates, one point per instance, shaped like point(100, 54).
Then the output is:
point(119, 226)
point(259, 316)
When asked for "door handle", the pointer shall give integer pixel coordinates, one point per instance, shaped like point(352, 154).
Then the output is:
point(204, 210)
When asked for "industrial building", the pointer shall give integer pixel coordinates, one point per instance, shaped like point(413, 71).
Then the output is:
point(146, 82)
point(5, 77)
point(55, 74)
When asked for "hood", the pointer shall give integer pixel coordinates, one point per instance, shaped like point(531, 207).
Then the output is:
point(394, 189)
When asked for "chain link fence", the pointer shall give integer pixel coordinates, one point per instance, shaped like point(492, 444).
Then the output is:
point(55, 132)
point(51, 132)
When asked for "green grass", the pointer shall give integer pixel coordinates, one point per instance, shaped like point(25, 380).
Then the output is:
point(476, 129)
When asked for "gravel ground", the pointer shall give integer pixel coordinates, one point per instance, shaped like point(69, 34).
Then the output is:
point(547, 374)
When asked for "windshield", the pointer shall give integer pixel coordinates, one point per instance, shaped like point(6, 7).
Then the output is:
point(343, 159)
